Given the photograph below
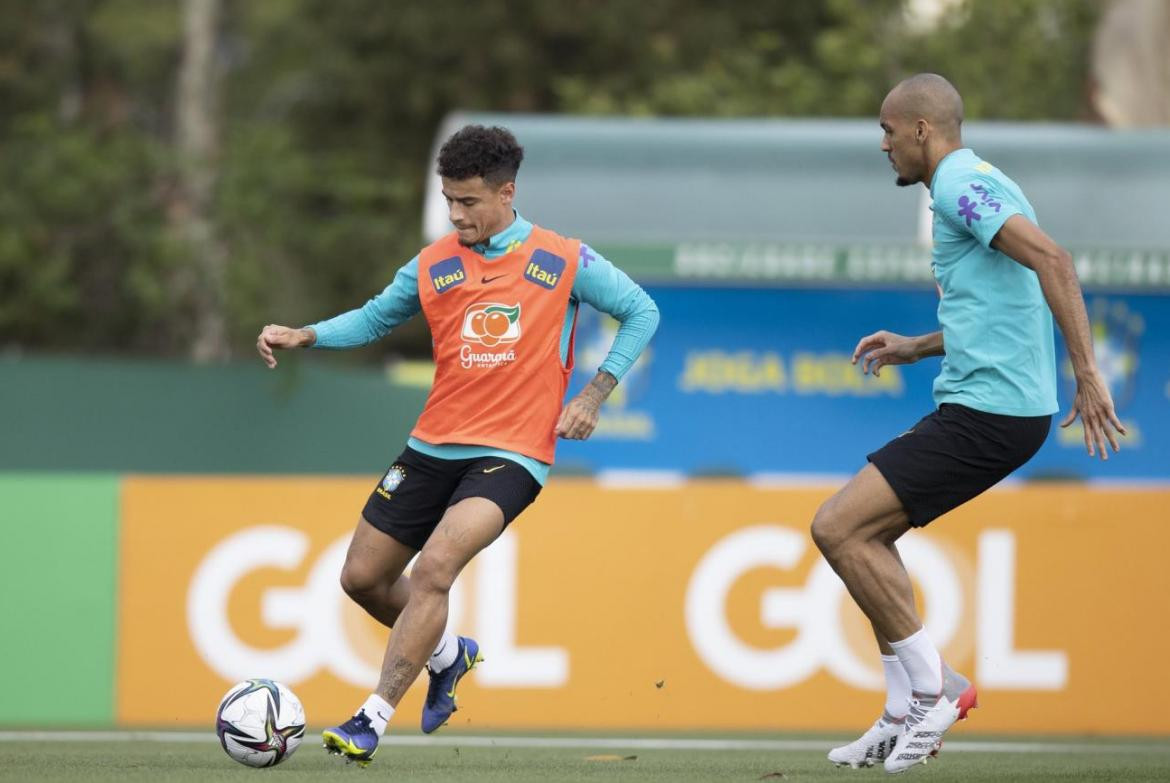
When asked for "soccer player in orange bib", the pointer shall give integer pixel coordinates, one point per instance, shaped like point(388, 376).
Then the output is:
point(501, 298)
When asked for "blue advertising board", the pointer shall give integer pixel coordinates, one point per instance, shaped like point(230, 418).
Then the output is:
point(758, 382)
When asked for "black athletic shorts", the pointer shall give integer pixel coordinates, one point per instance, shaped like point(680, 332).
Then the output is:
point(954, 454)
point(410, 499)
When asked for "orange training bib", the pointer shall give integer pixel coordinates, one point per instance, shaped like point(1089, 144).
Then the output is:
point(496, 326)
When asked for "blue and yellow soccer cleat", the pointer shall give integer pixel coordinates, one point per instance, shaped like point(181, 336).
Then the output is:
point(355, 739)
point(441, 692)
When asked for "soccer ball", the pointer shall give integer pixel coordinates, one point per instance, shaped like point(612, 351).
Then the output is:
point(260, 722)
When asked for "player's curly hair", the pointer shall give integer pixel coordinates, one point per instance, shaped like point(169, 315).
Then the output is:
point(476, 151)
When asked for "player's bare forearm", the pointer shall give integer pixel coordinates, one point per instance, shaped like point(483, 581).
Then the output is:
point(929, 345)
point(1023, 241)
point(1062, 291)
point(1092, 402)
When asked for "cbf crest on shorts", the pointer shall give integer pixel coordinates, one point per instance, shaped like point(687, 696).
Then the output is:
point(392, 480)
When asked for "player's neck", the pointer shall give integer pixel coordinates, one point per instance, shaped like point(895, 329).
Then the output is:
point(936, 155)
point(500, 225)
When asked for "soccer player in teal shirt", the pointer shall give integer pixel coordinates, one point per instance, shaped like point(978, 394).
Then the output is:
point(1001, 281)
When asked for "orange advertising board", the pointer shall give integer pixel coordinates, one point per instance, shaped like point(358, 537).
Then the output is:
point(704, 606)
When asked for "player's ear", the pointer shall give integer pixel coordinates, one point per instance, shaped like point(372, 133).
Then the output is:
point(920, 130)
point(507, 192)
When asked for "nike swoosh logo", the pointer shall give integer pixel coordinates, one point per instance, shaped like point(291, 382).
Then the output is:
point(493, 470)
point(486, 280)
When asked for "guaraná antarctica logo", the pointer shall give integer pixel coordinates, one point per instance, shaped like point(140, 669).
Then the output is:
point(489, 324)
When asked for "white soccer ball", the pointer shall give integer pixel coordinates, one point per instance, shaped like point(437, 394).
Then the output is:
point(260, 722)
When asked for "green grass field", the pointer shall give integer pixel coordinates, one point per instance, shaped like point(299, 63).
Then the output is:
point(513, 759)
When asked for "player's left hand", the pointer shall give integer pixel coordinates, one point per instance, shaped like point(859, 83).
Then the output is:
point(1095, 406)
point(578, 419)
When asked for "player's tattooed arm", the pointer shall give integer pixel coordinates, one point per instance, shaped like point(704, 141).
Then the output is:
point(600, 387)
point(579, 417)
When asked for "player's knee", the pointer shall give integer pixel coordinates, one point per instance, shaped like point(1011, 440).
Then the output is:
point(431, 575)
point(358, 583)
point(826, 531)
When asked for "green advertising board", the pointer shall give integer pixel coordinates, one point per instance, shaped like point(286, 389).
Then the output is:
point(58, 581)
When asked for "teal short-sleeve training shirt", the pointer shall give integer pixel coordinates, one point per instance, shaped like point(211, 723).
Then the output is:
point(997, 328)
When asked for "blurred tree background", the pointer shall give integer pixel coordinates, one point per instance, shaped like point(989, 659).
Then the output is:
point(177, 173)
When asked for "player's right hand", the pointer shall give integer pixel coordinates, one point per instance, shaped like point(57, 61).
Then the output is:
point(882, 348)
point(1094, 404)
point(274, 336)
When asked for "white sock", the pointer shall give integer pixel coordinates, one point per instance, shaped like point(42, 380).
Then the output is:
point(922, 662)
point(379, 711)
point(897, 686)
point(445, 652)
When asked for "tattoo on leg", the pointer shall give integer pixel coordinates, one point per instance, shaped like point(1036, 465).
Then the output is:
point(398, 674)
point(456, 535)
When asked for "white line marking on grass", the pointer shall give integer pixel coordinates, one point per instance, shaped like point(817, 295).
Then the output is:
point(770, 480)
point(640, 479)
point(616, 743)
point(107, 736)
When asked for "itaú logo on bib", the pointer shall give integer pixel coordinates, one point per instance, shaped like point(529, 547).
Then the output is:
point(489, 324)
